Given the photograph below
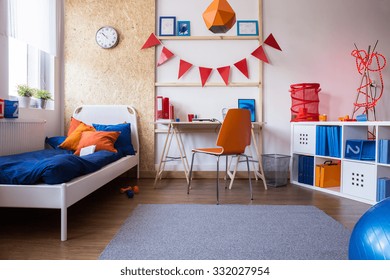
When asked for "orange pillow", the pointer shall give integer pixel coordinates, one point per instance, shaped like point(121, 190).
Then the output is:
point(74, 123)
point(104, 140)
point(72, 141)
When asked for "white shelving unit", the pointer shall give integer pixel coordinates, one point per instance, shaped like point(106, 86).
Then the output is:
point(358, 177)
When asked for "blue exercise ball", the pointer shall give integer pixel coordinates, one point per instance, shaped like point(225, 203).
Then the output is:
point(370, 238)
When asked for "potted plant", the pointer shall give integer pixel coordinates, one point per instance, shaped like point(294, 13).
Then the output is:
point(42, 95)
point(25, 92)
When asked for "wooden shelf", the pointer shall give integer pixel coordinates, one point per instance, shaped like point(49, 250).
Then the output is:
point(190, 38)
point(207, 85)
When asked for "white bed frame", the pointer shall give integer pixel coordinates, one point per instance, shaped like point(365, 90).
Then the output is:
point(61, 196)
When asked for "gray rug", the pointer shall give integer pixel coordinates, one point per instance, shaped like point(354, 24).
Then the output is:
point(222, 232)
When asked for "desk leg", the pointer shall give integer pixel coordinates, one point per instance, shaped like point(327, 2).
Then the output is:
point(261, 173)
point(164, 155)
point(182, 151)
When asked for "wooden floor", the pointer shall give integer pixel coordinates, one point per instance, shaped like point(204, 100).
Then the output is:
point(93, 221)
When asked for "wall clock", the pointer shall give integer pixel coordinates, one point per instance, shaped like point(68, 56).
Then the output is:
point(107, 37)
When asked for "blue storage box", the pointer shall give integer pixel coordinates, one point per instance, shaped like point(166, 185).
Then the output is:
point(11, 109)
point(368, 150)
point(360, 149)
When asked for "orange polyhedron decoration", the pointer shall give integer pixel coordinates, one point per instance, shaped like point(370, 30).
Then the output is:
point(219, 16)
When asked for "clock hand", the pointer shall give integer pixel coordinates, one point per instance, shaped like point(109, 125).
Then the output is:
point(104, 35)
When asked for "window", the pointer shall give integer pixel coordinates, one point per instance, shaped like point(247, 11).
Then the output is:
point(32, 45)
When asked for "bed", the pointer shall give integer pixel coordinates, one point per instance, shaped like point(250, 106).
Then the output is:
point(63, 195)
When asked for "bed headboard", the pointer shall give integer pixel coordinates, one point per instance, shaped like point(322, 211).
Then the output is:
point(110, 114)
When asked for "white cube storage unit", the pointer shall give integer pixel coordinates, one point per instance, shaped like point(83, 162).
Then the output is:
point(359, 174)
point(304, 139)
point(359, 180)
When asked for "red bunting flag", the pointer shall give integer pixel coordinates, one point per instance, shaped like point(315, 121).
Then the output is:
point(204, 74)
point(260, 54)
point(152, 41)
point(164, 56)
point(224, 72)
point(183, 68)
point(270, 41)
point(243, 67)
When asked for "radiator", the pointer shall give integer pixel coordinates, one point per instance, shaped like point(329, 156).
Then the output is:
point(18, 136)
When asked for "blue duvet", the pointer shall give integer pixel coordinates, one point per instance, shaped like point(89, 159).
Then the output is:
point(50, 166)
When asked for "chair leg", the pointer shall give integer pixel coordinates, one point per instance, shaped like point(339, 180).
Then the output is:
point(217, 180)
point(249, 176)
point(190, 175)
point(226, 172)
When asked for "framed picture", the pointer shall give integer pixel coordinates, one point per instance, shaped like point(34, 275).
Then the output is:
point(167, 26)
point(183, 28)
point(247, 28)
point(250, 105)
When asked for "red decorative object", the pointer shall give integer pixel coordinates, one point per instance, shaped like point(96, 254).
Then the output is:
point(368, 64)
point(151, 42)
point(219, 16)
point(204, 74)
point(242, 65)
point(260, 54)
point(270, 41)
point(304, 102)
point(184, 66)
point(225, 73)
point(164, 56)
point(166, 108)
point(159, 107)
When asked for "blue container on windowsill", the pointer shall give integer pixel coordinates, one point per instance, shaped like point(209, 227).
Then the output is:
point(11, 109)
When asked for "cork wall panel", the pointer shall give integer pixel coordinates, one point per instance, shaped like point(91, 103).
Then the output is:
point(122, 75)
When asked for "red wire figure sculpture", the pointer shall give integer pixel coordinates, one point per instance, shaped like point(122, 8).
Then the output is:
point(368, 63)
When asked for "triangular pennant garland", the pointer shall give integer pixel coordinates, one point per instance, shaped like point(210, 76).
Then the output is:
point(270, 41)
point(204, 74)
point(260, 54)
point(164, 56)
point(183, 68)
point(243, 67)
point(151, 42)
point(225, 73)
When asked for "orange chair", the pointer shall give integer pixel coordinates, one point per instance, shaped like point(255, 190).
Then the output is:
point(234, 136)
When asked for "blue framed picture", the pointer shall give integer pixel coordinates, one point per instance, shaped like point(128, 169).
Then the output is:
point(167, 26)
point(250, 105)
point(247, 28)
point(183, 28)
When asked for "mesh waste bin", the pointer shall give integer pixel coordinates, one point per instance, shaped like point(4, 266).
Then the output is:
point(276, 169)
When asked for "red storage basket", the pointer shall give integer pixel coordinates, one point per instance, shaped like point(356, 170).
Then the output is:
point(304, 102)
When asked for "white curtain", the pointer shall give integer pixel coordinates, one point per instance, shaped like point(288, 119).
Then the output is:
point(35, 22)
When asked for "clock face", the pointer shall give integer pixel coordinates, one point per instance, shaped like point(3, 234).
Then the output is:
point(107, 37)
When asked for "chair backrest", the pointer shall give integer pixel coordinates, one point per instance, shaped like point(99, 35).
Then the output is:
point(235, 133)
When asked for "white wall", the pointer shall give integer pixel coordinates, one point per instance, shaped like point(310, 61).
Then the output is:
point(317, 38)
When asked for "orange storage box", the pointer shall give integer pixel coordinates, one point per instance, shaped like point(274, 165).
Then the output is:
point(328, 174)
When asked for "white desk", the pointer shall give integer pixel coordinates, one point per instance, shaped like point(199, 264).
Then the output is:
point(174, 130)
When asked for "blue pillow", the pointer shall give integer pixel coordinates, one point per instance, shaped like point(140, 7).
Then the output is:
point(123, 143)
point(55, 141)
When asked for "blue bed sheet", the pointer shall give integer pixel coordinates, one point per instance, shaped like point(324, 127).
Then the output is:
point(51, 166)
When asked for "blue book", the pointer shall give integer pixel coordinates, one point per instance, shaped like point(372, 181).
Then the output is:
point(380, 185)
point(384, 151)
point(383, 188)
point(300, 169)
